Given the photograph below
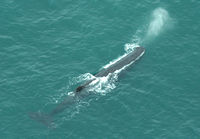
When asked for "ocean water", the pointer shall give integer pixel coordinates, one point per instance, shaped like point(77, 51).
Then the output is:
point(48, 48)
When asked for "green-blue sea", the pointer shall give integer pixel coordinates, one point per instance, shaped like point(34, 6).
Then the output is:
point(49, 47)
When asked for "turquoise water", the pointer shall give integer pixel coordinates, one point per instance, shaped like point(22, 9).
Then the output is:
point(48, 47)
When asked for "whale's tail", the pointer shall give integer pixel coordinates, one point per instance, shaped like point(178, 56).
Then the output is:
point(42, 118)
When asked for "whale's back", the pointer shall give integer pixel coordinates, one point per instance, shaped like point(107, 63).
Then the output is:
point(128, 59)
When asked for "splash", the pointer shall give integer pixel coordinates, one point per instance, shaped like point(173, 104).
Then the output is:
point(129, 47)
point(159, 21)
point(83, 77)
point(103, 85)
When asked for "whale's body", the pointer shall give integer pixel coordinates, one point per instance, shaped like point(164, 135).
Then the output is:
point(126, 60)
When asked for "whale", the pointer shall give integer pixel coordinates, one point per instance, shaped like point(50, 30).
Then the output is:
point(127, 60)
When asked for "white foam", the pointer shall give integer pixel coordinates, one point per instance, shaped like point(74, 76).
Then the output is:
point(103, 85)
point(129, 47)
point(83, 77)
